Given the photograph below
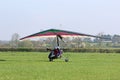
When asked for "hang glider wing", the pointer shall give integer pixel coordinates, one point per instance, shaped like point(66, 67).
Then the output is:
point(56, 32)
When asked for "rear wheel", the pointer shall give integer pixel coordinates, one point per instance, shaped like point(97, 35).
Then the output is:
point(50, 60)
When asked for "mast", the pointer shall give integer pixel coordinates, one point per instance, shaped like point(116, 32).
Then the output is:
point(57, 40)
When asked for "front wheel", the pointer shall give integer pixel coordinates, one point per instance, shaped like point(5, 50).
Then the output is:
point(50, 60)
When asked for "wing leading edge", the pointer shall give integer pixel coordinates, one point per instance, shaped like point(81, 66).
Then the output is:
point(55, 32)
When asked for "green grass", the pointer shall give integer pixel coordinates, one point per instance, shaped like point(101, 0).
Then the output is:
point(35, 66)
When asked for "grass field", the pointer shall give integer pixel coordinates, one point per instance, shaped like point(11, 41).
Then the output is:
point(35, 66)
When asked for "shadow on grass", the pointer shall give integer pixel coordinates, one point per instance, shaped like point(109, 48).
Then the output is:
point(34, 61)
point(26, 60)
point(2, 60)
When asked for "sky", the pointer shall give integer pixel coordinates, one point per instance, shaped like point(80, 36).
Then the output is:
point(26, 17)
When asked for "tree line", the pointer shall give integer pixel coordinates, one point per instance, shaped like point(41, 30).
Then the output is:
point(107, 41)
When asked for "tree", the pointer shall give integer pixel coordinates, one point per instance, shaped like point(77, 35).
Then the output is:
point(14, 40)
point(116, 39)
point(26, 44)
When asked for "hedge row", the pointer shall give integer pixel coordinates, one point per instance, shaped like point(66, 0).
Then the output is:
point(22, 49)
point(94, 50)
point(111, 50)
